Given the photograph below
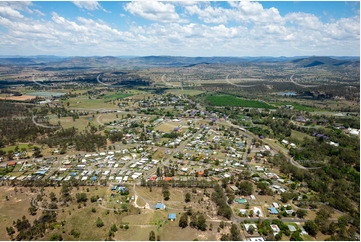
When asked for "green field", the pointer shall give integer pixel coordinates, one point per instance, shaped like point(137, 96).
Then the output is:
point(117, 96)
point(13, 147)
point(227, 100)
point(180, 92)
point(89, 104)
point(299, 135)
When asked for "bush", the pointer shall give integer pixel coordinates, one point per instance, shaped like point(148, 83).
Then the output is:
point(99, 222)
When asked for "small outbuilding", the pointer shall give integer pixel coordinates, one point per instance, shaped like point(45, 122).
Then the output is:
point(172, 216)
point(159, 206)
point(273, 210)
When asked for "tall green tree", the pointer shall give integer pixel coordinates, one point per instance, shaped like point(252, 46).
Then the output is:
point(183, 221)
point(152, 236)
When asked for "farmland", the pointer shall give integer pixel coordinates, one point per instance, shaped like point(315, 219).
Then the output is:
point(231, 101)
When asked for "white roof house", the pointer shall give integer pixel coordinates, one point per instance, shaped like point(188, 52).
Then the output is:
point(284, 142)
point(256, 239)
point(275, 229)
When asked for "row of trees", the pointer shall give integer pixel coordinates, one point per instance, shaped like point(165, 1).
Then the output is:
point(196, 221)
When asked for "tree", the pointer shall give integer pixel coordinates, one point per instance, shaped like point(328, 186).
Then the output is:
point(295, 236)
point(311, 227)
point(188, 197)
point(10, 230)
point(245, 188)
point(143, 182)
point(52, 197)
point(166, 194)
point(250, 229)
point(152, 236)
point(183, 222)
point(114, 228)
point(221, 224)
point(81, 197)
point(286, 196)
point(99, 222)
point(201, 223)
point(193, 222)
point(235, 235)
point(56, 237)
point(301, 213)
point(226, 237)
point(32, 210)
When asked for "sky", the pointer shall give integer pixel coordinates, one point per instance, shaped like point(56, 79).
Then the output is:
point(180, 28)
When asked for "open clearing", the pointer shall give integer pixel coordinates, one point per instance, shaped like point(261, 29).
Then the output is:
point(227, 100)
point(18, 98)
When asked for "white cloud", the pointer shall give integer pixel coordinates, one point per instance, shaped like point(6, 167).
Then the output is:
point(38, 12)
point(209, 14)
point(153, 10)
point(18, 5)
point(306, 20)
point(243, 12)
point(239, 30)
point(90, 5)
point(10, 13)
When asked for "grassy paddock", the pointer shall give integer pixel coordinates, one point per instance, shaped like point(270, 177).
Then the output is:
point(180, 92)
point(227, 100)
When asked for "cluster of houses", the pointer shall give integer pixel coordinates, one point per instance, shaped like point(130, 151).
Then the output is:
point(275, 229)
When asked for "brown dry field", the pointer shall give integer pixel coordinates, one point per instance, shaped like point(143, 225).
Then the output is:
point(18, 98)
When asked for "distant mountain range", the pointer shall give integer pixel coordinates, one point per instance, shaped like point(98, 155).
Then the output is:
point(169, 61)
point(323, 61)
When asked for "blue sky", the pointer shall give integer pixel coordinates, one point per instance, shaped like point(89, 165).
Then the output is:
point(184, 28)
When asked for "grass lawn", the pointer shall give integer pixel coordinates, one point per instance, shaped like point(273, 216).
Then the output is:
point(117, 95)
point(6, 149)
point(80, 124)
point(189, 92)
point(86, 103)
point(299, 135)
point(166, 127)
point(227, 100)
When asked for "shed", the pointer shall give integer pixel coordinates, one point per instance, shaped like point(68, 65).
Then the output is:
point(159, 206)
point(273, 210)
point(289, 212)
point(292, 228)
point(172, 216)
point(40, 172)
point(12, 163)
point(234, 188)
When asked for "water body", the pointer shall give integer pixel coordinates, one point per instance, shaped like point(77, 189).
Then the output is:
point(286, 94)
point(46, 94)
